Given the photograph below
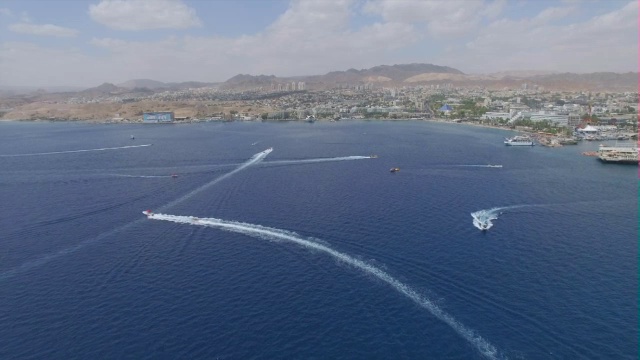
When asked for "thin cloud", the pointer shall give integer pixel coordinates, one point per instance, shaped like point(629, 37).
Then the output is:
point(144, 14)
point(24, 17)
point(442, 18)
point(5, 12)
point(302, 41)
point(554, 13)
point(606, 42)
point(43, 30)
point(318, 36)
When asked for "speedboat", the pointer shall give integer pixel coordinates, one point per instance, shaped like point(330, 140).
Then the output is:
point(147, 212)
point(174, 175)
point(395, 169)
point(373, 156)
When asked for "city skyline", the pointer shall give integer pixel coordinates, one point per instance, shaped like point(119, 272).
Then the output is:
point(84, 43)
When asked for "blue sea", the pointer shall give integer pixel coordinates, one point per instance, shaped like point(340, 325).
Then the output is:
point(315, 250)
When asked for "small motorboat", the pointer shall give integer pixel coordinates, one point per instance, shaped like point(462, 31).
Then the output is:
point(133, 137)
point(373, 156)
point(394, 170)
point(147, 212)
point(174, 175)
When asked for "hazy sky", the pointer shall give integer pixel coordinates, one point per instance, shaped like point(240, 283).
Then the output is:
point(86, 43)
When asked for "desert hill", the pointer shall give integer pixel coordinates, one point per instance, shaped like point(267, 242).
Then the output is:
point(428, 74)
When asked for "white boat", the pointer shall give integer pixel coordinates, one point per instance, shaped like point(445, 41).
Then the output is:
point(620, 155)
point(518, 141)
point(482, 225)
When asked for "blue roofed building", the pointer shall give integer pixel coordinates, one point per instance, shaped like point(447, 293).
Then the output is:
point(446, 109)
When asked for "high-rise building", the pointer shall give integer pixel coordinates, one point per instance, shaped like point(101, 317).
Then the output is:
point(301, 85)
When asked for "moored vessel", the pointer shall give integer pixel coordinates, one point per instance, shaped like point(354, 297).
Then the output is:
point(620, 155)
point(519, 140)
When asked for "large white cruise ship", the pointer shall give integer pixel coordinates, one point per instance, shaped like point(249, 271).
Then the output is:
point(518, 141)
point(621, 155)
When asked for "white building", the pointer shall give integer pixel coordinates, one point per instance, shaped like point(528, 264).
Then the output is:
point(495, 115)
point(560, 120)
point(588, 130)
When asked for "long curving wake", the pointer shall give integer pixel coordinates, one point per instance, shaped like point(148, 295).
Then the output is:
point(482, 345)
point(78, 151)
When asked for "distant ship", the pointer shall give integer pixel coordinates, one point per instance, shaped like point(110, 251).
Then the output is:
point(620, 155)
point(494, 166)
point(518, 141)
point(394, 170)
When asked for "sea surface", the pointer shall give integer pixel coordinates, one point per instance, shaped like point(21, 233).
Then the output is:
point(315, 250)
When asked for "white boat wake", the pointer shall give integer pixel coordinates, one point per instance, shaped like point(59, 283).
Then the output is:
point(142, 176)
point(263, 232)
point(274, 163)
point(252, 161)
point(78, 151)
point(26, 266)
point(482, 219)
point(318, 160)
point(482, 166)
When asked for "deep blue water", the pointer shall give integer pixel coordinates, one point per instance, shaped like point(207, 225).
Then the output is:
point(83, 274)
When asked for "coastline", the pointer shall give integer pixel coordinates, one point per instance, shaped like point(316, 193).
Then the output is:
point(127, 122)
point(545, 139)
